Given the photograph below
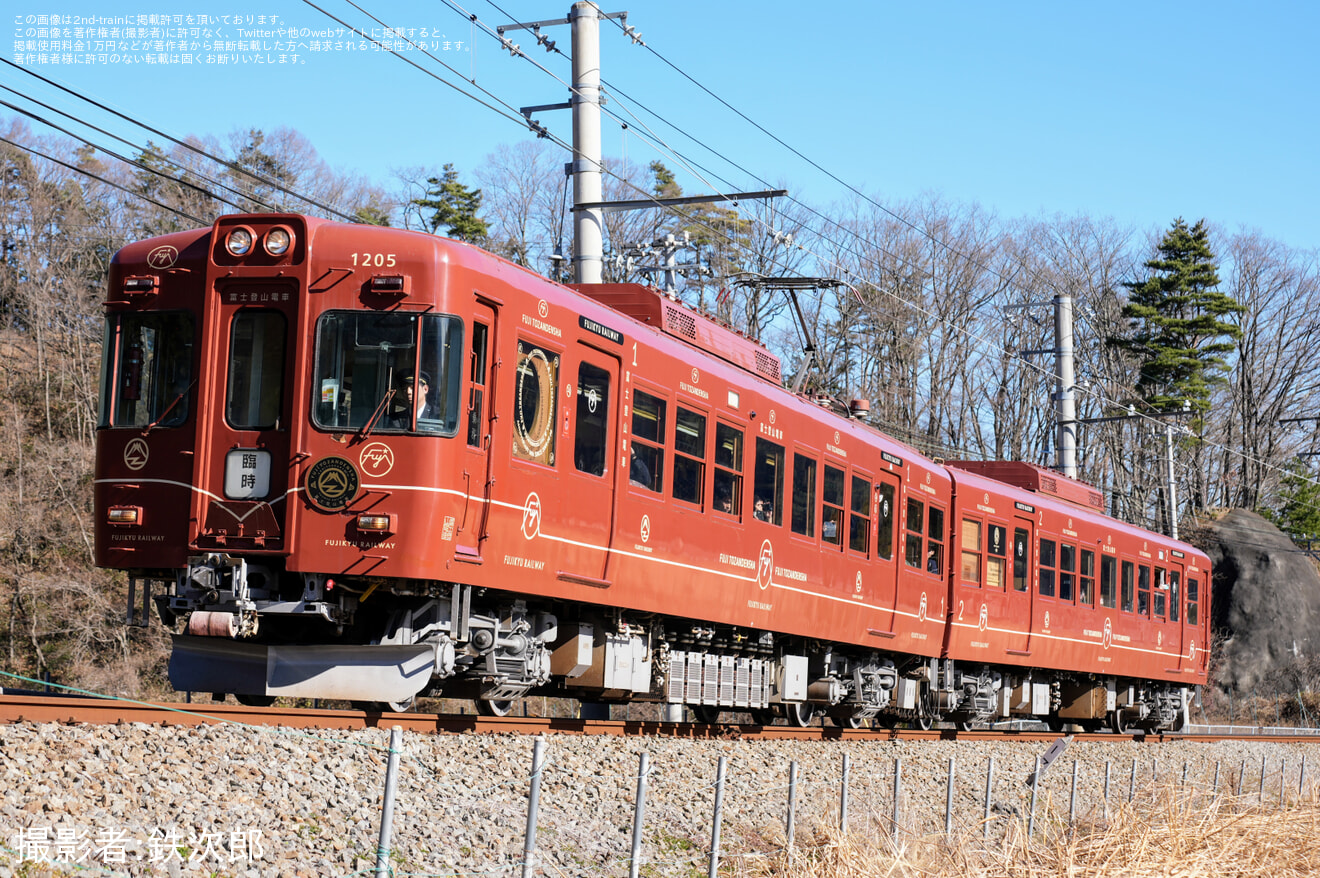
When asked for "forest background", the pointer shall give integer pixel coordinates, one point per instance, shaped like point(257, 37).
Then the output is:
point(942, 320)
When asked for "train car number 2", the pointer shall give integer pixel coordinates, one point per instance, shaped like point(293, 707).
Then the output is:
point(374, 260)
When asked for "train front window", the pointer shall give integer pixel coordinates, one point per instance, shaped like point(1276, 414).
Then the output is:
point(396, 372)
point(256, 370)
point(146, 369)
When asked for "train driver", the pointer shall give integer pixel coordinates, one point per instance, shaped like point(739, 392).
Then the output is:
point(417, 392)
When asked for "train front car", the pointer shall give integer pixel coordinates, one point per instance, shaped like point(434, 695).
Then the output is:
point(1062, 610)
point(267, 386)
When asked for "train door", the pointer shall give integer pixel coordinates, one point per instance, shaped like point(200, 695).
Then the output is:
point(591, 390)
point(1169, 590)
point(883, 573)
point(477, 475)
point(1020, 596)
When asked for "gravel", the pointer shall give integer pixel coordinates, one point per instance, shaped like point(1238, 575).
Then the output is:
point(245, 801)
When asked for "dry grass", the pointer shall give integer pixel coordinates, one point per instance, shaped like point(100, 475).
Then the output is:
point(1171, 836)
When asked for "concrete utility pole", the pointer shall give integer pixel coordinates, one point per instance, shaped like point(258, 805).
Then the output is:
point(1065, 400)
point(588, 233)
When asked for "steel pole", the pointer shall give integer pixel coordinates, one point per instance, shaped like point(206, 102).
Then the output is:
point(1065, 400)
point(588, 237)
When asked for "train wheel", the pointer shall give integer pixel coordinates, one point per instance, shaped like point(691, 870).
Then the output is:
point(964, 725)
point(255, 700)
point(849, 722)
point(705, 713)
point(800, 714)
point(488, 707)
point(887, 721)
point(763, 716)
point(1116, 722)
point(1054, 723)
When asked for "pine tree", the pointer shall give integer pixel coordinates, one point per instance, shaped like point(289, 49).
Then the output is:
point(1179, 331)
point(1296, 509)
point(454, 206)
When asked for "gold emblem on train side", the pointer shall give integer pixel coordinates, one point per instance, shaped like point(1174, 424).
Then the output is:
point(332, 483)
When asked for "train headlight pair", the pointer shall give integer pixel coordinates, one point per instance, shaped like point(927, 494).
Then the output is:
point(241, 240)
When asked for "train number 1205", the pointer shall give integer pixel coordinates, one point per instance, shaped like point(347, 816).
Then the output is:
point(374, 260)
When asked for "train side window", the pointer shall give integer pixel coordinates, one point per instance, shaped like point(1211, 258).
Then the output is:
point(689, 455)
point(1160, 595)
point(804, 495)
point(971, 551)
point(1087, 596)
point(256, 370)
point(477, 377)
point(935, 541)
point(916, 517)
point(1047, 562)
point(1192, 600)
point(442, 360)
point(1143, 590)
point(831, 506)
point(1108, 582)
point(1021, 558)
point(859, 521)
point(592, 428)
point(1067, 571)
point(1128, 575)
point(646, 468)
point(884, 513)
point(146, 369)
point(1173, 596)
point(535, 403)
point(997, 539)
point(768, 482)
point(728, 469)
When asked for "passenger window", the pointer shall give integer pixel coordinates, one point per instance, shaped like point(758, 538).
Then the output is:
point(935, 541)
point(256, 370)
point(1128, 575)
point(768, 483)
point(971, 551)
point(592, 428)
point(1191, 601)
point(1021, 558)
point(831, 508)
point(728, 469)
point(916, 517)
point(477, 376)
point(689, 455)
point(884, 514)
point(804, 495)
point(646, 467)
point(1173, 596)
point(1108, 581)
point(994, 563)
point(1047, 562)
point(859, 522)
point(1160, 595)
point(1088, 578)
point(535, 404)
point(1143, 590)
point(1067, 571)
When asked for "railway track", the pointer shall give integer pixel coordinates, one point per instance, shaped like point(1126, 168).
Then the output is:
point(106, 711)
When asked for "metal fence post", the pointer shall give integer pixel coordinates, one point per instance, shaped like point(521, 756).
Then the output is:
point(1214, 789)
point(639, 814)
point(715, 826)
point(898, 792)
point(1072, 803)
point(948, 801)
point(1108, 765)
point(1283, 777)
point(387, 807)
point(989, 787)
point(843, 798)
point(791, 825)
point(533, 805)
point(1132, 782)
point(1301, 780)
point(1260, 793)
point(1035, 785)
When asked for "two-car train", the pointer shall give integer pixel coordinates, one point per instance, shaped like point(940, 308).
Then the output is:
point(369, 464)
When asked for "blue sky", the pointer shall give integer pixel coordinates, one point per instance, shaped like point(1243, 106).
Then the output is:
point(1137, 111)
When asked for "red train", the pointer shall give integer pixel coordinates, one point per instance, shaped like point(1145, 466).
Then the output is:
point(369, 464)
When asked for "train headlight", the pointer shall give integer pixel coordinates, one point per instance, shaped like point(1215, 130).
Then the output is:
point(239, 241)
point(124, 515)
point(375, 523)
point(278, 241)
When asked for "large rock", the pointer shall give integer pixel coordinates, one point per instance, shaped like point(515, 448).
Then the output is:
point(1265, 602)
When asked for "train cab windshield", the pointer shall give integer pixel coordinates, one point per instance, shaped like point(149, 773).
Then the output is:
point(396, 372)
point(146, 369)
